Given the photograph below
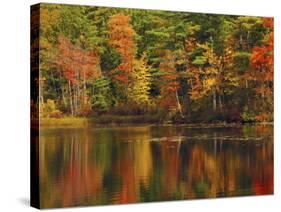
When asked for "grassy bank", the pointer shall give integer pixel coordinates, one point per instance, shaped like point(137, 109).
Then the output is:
point(114, 120)
point(105, 120)
point(74, 122)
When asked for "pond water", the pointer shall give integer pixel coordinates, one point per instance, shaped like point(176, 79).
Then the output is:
point(80, 167)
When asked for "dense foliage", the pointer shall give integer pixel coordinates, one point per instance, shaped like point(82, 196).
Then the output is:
point(182, 67)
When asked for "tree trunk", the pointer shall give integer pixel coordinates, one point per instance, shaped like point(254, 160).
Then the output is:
point(247, 91)
point(214, 100)
point(84, 88)
point(75, 99)
point(241, 41)
point(220, 103)
point(70, 98)
point(178, 103)
point(41, 97)
point(186, 99)
point(263, 94)
point(187, 108)
point(63, 97)
point(54, 84)
point(62, 89)
point(248, 38)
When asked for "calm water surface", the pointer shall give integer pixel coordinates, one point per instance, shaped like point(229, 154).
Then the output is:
point(153, 163)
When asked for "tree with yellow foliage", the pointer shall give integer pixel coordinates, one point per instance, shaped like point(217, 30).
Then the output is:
point(213, 74)
point(138, 92)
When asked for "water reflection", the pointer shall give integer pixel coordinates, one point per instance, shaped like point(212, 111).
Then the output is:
point(153, 163)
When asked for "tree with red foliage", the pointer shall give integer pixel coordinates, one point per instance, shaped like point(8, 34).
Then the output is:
point(262, 61)
point(262, 56)
point(78, 66)
point(169, 85)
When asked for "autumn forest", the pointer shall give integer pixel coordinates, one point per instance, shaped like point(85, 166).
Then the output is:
point(133, 105)
point(148, 66)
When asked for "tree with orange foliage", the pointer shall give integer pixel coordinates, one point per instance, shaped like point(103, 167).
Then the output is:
point(121, 38)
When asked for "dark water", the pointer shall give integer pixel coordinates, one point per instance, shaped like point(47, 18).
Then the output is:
point(153, 163)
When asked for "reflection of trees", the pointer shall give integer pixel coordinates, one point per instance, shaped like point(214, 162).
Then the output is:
point(215, 167)
point(231, 168)
point(262, 166)
point(203, 179)
point(170, 168)
point(134, 166)
point(165, 181)
point(68, 175)
point(82, 167)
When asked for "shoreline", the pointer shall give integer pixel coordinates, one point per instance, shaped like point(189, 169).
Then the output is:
point(81, 122)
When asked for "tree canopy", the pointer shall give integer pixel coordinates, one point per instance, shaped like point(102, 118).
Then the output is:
point(185, 67)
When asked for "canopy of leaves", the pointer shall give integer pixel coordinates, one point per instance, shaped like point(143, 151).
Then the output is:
point(100, 60)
